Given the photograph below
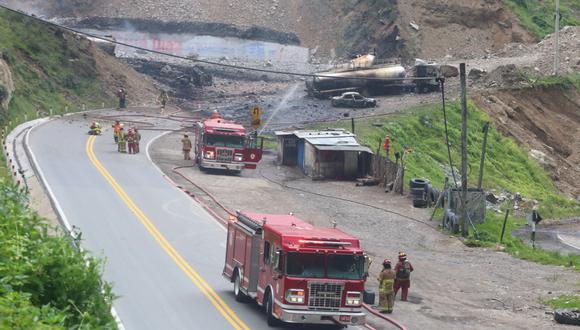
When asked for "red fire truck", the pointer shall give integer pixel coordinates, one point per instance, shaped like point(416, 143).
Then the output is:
point(224, 144)
point(299, 273)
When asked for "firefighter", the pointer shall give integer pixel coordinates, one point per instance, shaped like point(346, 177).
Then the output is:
point(163, 100)
point(186, 147)
point(403, 271)
point(386, 292)
point(95, 128)
point(130, 137)
point(137, 140)
point(387, 144)
point(116, 128)
point(121, 142)
point(122, 95)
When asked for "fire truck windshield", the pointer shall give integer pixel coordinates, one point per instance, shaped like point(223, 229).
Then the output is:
point(336, 266)
point(305, 265)
point(215, 140)
point(345, 266)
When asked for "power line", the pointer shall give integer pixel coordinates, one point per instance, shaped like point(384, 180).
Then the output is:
point(231, 66)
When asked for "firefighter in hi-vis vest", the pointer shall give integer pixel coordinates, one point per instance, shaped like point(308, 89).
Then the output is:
point(386, 291)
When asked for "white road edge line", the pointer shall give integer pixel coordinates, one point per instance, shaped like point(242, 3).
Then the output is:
point(567, 242)
point(170, 180)
point(57, 206)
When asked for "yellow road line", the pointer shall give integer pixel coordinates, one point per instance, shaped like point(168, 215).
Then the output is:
point(219, 304)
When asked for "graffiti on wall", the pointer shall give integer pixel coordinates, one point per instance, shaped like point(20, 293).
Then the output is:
point(184, 44)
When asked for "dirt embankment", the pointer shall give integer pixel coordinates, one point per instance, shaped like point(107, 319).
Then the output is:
point(460, 28)
point(547, 122)
point(200, 28)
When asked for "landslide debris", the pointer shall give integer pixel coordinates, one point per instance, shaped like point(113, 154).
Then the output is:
point(394, 28)
point(200, 28)
point(547, 122)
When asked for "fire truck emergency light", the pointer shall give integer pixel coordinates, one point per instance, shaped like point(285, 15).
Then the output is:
point(329, 243)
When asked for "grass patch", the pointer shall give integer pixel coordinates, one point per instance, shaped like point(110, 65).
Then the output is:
point(51, 69)
point(564, 82)
point(507, 167)
point(566, 301)
point(422, 130)
point(537, 16)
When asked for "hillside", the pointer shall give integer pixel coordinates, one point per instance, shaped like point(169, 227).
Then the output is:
point(343, 27)
point(47, 283)
point(48, 68)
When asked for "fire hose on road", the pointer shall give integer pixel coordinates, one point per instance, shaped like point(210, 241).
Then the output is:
point(175, 170)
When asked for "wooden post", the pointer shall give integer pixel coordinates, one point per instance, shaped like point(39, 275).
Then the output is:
point(463, 77)
point(352, 124)
point(483, 151)
point(557, 39)
point(440, 198)
point(507, 212)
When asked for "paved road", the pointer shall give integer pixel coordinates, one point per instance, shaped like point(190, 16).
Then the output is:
point(164, 253)
point(159, 288)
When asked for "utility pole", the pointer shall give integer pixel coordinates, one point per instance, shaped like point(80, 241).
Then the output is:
point(463, 77)
point(557, 39)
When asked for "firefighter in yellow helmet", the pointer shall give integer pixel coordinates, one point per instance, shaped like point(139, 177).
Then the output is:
point(386, 292)
point(121, 141)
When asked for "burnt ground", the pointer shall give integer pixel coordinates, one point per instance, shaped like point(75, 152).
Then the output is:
point(201, 28)
point(453, 286)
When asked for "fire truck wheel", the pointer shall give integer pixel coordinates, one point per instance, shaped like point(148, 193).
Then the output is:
point(240, 296)
point(268, 304)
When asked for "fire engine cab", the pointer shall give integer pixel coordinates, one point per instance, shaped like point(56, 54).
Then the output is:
point(299, 273)
point(224, 144)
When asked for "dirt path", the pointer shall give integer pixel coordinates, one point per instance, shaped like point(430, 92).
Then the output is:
point(454, 287)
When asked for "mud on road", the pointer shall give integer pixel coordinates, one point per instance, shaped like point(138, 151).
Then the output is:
point(453, 286)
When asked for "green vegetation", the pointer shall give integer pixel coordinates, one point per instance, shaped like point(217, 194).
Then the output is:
point(489, 232)
point(563, 82)
point(507, 166)
point(538, 16)
point(45, 281)
point(51, 69)
point(567, 301)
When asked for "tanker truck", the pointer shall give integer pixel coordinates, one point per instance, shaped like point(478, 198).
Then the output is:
point(375, 80)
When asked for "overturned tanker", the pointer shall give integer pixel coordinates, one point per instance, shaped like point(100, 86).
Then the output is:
point(375, 81)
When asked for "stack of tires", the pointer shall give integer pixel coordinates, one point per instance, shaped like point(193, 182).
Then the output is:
point(567, 316)
point(423, 193)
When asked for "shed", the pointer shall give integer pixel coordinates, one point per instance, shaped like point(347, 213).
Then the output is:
point(332, 153)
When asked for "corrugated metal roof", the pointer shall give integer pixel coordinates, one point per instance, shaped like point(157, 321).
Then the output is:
point(323, 134)
point(337, 140)
point(311, 133)
point(345, 148)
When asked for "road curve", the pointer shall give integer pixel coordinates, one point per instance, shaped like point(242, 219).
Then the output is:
point(164, 253)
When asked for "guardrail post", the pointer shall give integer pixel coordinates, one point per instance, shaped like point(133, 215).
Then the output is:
point(50, 111)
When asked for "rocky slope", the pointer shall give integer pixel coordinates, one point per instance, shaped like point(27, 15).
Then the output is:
point(332, 27)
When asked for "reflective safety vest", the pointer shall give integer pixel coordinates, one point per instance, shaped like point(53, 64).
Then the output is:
point(386, 281)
